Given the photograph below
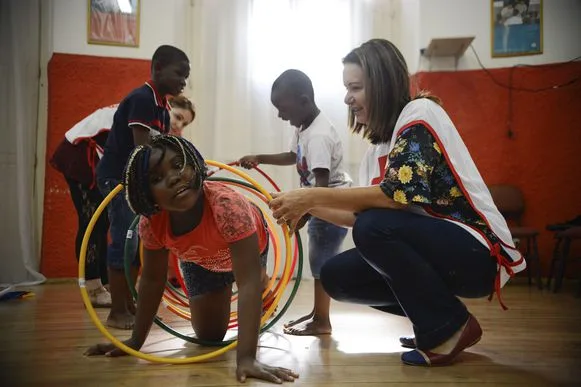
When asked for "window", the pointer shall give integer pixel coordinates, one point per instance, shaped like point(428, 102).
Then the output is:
point(312, 36)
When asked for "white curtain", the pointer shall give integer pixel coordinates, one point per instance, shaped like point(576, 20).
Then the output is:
point(19, 88)
point(237, 49)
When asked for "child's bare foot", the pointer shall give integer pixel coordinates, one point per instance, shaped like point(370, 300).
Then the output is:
point(123, 320)
point(299, 320)
point(314, 327)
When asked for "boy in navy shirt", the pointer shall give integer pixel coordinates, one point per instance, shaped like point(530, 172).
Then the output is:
point(141, 115)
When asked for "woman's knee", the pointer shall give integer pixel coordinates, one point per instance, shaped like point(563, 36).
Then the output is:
point(332, 280)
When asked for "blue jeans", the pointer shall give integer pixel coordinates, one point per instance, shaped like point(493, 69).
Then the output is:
point(325, 240)
point(415, 266)
point(120, 218)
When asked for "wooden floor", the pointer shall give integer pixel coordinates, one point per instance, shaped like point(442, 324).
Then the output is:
point(536, 342)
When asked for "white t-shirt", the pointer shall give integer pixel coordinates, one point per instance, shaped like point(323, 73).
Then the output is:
point(93, 124)
point(373, 164)
point(319, 146)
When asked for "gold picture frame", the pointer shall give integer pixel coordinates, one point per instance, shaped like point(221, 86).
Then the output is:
point(113, 22)
point(516, 27)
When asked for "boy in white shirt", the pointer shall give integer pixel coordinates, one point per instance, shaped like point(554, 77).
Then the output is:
point(317, 152)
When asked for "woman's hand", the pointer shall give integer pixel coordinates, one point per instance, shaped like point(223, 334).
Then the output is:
point(289, 207)
point(254, 369)
point(110, 350)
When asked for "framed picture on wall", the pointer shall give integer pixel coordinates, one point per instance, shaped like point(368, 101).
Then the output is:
point(113, 22)
point(517, 27)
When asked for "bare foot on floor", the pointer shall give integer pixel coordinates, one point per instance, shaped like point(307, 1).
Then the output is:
point(310, 328)
point(121, 320)
point(299, 320)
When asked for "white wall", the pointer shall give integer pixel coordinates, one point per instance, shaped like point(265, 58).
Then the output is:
point(456, 18)
point(406, 34)
point(161, 22)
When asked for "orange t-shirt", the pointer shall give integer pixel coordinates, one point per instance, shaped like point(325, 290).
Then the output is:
point(227, 218)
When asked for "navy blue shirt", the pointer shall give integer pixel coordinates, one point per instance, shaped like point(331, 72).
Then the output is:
point(143, 107)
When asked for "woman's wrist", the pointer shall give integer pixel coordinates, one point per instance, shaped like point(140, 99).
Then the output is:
point(317, 198)
point(245, 359)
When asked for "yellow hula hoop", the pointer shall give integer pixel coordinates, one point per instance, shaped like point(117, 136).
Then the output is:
point(156, 359)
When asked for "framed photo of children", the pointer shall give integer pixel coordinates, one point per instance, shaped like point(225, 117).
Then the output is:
point(113, 22)
point(517, 27)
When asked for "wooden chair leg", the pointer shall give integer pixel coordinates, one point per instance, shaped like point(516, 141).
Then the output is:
point(561, 263)
point(537, 260)
point(556, 253)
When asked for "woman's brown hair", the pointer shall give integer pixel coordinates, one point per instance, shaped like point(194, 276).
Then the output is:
point(184, 103)
point(387, 88)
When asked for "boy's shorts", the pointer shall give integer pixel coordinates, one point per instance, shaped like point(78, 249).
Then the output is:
point(325, 240)
point(120, 218)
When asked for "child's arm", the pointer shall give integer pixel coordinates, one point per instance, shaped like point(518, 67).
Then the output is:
point(151, 286)
point(141, 135)
point(321, 177)
point(246, 267)
point(285, 158)
point(143, 118)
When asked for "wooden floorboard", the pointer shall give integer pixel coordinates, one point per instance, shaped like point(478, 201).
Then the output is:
point(536, 342)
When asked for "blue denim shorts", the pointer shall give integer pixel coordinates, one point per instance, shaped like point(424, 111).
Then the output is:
point(200, 281)
point(120, 218)
point(325, 240)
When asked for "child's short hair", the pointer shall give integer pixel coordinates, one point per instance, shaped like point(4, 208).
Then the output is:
point(296, 82)
point(136, 175)
point(166, 54)
point(184, 103)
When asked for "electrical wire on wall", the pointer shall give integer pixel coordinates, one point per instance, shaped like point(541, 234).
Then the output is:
point(512, 88)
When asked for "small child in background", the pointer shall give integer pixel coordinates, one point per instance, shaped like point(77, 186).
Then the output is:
point(317, 152)
point(219, 236)
point(141, 115)
point(76, 158)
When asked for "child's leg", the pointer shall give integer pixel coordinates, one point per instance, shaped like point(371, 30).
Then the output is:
point(120, 218)
point(85, 205)
point(80, 198)
point(210, 295)
point(325, 240)
point(101, 232)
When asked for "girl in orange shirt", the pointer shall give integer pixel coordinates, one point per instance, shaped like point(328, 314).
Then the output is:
point(218, 235)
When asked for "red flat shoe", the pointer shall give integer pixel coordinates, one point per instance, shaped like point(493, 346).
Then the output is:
point(471, 335)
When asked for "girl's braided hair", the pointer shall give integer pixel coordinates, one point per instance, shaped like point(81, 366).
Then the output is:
point(136, 175)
